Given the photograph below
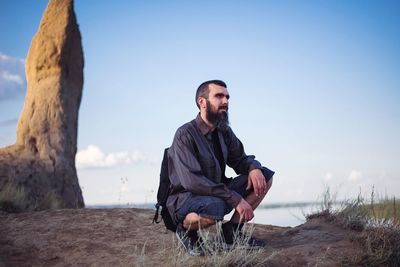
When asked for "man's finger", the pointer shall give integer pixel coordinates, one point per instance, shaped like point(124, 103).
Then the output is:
point(248, 184)
point(251, 216)
point(257, 187)
point(241, 215)
point(244, 218)
point(247, 217)
point(264, 185)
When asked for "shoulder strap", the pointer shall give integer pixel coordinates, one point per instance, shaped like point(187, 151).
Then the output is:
point(163, 188)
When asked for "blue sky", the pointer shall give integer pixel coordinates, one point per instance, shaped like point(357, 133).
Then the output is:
point(314, 89)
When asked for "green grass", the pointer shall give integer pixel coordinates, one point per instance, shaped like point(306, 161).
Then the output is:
point(385, 211)
point(14, 198)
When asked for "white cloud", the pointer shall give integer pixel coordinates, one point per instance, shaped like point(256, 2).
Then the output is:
point(12, 77)
point(93, 157)
point(10, 60)
point(4, 57)
point(355, 175)
point(328, 176)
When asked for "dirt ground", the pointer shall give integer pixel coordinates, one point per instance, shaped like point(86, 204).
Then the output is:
point(120, 237)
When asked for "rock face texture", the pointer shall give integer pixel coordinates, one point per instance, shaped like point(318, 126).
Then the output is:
point(42, 162)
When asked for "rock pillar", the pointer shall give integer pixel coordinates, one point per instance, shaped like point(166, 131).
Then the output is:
point(41, 165)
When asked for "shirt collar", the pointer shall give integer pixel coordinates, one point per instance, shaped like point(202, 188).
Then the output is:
point(201, 125)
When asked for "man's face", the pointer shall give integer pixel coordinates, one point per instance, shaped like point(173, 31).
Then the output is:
point(217, 106)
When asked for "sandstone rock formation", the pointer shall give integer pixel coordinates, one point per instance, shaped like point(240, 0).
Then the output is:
point(42, 162)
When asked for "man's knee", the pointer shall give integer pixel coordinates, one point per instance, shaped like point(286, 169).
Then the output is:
point(193, 221)
point(206, 222)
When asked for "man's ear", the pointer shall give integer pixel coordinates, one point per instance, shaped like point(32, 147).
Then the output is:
point(202, 102)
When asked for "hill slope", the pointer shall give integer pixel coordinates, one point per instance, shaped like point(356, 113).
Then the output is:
point(115, 237)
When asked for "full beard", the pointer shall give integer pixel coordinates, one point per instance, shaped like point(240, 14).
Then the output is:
point(220, 119)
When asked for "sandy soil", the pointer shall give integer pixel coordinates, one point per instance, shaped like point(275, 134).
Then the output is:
point(115, 237)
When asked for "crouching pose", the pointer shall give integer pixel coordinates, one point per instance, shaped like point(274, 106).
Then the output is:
point(201, 194)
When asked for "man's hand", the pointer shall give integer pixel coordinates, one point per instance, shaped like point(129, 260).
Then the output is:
point(245, 211)
point(257, 180)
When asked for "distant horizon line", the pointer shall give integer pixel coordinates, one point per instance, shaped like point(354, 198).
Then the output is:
point(276, 205)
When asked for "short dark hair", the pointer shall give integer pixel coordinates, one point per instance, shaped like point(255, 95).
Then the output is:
point(203, 90)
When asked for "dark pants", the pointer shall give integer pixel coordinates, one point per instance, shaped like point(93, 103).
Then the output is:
point(216, 208)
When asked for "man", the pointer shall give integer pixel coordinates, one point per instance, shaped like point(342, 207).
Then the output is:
point(201, 194)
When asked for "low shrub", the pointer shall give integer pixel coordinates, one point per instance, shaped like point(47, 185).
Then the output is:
point(12, 198)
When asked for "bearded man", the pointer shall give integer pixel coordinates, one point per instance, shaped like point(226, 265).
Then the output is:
point(201, 194)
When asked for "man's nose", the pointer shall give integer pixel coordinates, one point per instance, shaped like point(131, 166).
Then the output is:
point(225, 100)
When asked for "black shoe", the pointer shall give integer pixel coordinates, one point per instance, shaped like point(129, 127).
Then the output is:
point(232, 232)
point(253, 243)
point(190, 241)
point(228, 235)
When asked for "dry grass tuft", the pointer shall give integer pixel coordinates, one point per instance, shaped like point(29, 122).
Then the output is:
point(379, 224)
point(381, 247)
point(217, 253)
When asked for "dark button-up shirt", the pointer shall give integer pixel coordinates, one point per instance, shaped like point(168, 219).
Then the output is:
point(195, 169)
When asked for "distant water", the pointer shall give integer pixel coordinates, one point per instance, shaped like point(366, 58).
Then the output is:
point(285, 216)
point(279, 216)
point(121, 206)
